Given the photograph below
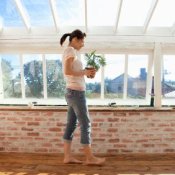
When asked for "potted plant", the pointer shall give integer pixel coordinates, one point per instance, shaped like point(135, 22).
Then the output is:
point(94, 61)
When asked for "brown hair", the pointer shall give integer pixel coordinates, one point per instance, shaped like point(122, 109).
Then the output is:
point(76, 33)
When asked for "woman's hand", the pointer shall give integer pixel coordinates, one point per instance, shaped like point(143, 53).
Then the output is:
point(90, 72)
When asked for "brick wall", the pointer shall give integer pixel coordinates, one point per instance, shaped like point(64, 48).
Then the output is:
point(113, 131)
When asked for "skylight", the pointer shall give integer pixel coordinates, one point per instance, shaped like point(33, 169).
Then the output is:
point(71, 12)
point(164, 15)
point(39, 12)
point(134, 12)
point(10, 15)
point(102, 12)
point(95, 17)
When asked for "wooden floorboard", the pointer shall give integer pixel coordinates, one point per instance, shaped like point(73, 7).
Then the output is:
point(51, 164)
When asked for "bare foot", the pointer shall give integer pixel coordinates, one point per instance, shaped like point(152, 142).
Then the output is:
point(72, 160)
point(95, 161)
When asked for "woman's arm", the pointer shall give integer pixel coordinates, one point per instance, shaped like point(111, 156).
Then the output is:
point(69, 71)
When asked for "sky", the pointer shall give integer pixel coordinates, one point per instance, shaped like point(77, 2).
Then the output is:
point(169, 67)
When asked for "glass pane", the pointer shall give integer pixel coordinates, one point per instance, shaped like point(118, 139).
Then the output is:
point(39, 12)
point(168, 76)
point(93, 85)
point(137, 75)
point(71, 12)
point(102, 12)
point(33, 75)
point(11, 76)
point(164, 14)
point(133, 13)
point(114, 76)
point(10, 14)
point(55, 80)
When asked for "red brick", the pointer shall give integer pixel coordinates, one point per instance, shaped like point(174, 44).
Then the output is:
point(33, 134)
point(98, 120)
point(119, 114)
point(113, 140)
point(33, 123)
point(41, 150)
point(142, 140)
point(113, 119)
point(26, 129)
point(98, 140)
point(55, 129)
point(112, 151)
point(113, 130)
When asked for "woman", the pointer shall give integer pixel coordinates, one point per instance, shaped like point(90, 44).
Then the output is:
point(75, 97)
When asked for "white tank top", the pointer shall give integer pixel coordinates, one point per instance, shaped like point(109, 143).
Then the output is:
point(74, 82)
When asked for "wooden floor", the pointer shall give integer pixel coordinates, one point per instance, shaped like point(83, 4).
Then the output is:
point(51, 164)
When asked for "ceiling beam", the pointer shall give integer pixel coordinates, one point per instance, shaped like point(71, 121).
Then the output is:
point(55, 14)
point(85, 9)
point(37, 32)
point(23, 14)
point(149, 15)
point(118, 15)
point(100, 40)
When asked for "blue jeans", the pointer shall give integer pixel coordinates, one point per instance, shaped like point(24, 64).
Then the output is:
point(77, 112)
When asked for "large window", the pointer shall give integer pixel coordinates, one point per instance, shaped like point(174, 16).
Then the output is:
point(114, 76)
point(137, 75)
point(33, 74)
point(11, 76)
point(39, 77)
point(168, 76)
point(55, 80)
point(31, 77)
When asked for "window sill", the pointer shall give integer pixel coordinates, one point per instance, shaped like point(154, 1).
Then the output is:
point(91, 108)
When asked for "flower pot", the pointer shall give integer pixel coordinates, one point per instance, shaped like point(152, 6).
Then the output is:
point(90, 68)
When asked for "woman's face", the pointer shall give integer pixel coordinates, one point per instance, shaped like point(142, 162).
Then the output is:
point(78, 43)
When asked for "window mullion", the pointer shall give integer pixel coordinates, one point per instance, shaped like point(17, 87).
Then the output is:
point(125, 77)
point(102, 83)
point(44, 77)
point(157, 74)
point(1, 83)
point(149, 77)
point(22, 77)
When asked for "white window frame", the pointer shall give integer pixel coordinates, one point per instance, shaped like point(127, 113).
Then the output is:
point(154, 58)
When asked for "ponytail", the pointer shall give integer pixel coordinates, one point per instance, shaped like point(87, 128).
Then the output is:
point(63, 38)
point(76, 33)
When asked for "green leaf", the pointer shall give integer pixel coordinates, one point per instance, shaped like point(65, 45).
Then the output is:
point(95, 60)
